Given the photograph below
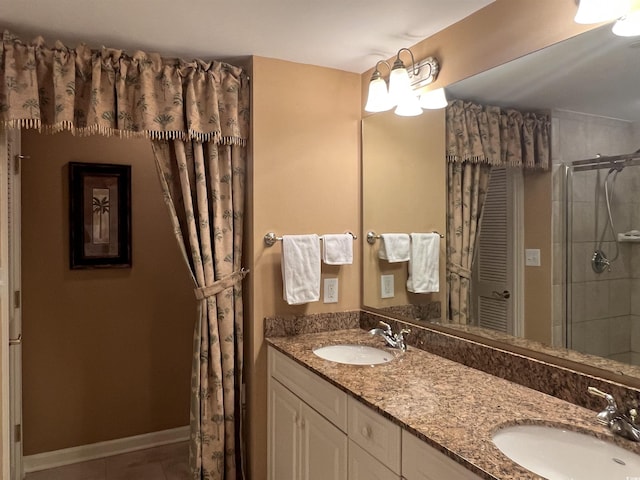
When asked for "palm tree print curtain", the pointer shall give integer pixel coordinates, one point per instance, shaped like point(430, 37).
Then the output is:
point(203, 187)
point(197, 114)
point(467, 188)
point(478, 137)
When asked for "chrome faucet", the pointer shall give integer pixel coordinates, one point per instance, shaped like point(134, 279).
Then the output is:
point(394, 340)
point(626, 425)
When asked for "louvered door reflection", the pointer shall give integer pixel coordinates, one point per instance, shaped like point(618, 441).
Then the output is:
point(492, 275)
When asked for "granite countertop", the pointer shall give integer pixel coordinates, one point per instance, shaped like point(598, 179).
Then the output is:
point(454, 408)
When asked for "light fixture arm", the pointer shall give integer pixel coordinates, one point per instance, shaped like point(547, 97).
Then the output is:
point(399, 64)
point(376, 73)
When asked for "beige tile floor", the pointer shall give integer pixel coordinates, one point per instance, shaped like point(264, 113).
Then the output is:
point(168, 462)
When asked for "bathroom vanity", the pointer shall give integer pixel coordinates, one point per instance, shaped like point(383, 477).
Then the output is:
point(416, 417)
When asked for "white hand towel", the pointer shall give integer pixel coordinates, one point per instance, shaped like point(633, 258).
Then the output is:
point(424, 264)
point(394, 247)
point(337, 249)
point(301, 268)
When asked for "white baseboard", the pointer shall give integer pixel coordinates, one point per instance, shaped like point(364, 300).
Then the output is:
point(82, 453)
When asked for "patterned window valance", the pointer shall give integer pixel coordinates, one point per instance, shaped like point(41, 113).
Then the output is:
point(109, 92)
point(486, 134)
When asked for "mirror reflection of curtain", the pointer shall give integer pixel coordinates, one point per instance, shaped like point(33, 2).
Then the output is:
point(197, 114)
point(478, 137)
point(467, 188)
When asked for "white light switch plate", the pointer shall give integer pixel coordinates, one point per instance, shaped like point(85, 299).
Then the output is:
point(532, 257)
point(386, 286)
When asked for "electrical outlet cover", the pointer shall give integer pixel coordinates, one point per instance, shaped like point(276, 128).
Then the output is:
point(330, 290)
point(386, 286)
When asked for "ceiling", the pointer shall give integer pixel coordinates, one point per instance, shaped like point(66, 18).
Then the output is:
point(596, 72)
point(348, 35)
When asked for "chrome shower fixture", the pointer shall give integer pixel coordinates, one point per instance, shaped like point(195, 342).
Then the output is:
point(600, 262)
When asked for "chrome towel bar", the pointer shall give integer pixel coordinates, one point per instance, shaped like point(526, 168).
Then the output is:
point(372, 237)
point(270, 238)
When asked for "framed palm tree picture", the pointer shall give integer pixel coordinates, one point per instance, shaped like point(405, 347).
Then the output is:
point(99, 215)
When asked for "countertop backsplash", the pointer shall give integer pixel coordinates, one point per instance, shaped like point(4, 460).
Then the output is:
point(556, 380)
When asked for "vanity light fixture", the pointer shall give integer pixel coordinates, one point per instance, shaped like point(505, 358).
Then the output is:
point(378, 99)
point(404, 87)
point(627, 13)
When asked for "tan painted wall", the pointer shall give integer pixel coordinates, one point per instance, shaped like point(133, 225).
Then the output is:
point(537, 234)
point(306, 179)
point(403, 191)
point(107, 353)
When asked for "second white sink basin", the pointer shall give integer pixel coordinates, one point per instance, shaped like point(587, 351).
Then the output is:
point(559, 454)
point(354, 354)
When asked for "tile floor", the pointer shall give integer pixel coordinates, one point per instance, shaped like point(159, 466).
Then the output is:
point(167, 462)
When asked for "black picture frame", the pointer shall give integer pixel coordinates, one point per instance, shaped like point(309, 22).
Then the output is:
point(99, 215)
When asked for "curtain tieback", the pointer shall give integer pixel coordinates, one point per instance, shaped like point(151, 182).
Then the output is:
point(219, 285)
point(459, 270)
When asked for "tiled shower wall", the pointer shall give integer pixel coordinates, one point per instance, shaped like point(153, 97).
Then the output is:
point(605, 312)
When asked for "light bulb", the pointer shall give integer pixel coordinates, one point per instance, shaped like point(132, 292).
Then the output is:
point(434, 99)
point(596, 11)
point(378, 99)
point(409, 105)
point(399, 84)
point(629, 25)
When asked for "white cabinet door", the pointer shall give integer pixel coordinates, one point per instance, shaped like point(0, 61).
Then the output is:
point(377, 435)
point(363, 466)
point(284, 433)
point(303, 445)
point(324, 448)
point(423, 462)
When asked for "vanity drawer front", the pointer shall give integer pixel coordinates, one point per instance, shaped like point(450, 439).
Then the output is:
point(363, 466)
point(375, 434)
point(422, 462)
point(319, 394)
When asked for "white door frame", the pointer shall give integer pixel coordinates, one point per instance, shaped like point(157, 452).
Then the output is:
point(517, 226)
point(10, 308)
point(5, 420)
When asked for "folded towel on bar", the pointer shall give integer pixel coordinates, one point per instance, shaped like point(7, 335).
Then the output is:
point(301, 268)
point(424, 263)
point(337, 249)
point(394, 247)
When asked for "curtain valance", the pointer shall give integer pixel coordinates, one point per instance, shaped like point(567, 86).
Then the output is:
point(109, 92)
point(487, 134)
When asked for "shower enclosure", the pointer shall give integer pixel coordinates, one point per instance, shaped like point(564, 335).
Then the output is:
point(602, 225)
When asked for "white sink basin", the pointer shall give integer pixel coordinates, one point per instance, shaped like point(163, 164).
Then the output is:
point(559, 454)
point(354, 354)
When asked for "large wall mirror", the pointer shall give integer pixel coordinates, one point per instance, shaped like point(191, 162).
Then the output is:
point(571, 305)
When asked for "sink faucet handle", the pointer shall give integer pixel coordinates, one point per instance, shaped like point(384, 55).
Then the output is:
point(633, 416)
point(386, 326)
point(610, 411)
point(607, 396)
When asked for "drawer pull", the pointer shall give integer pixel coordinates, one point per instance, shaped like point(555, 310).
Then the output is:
point(366, 432)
